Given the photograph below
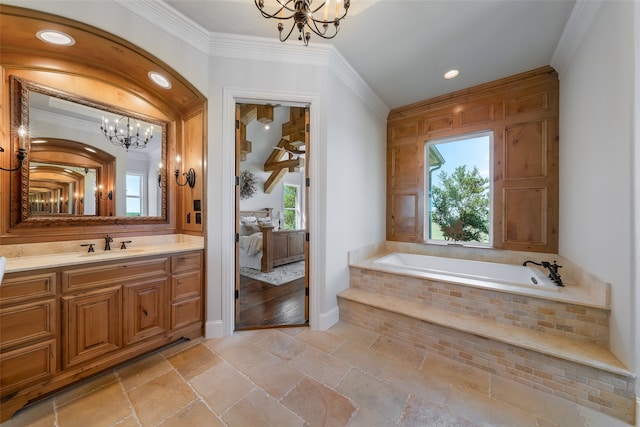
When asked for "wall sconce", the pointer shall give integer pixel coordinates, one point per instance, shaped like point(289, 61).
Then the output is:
point(190, 175)
point(22, 151)
point(160, 175)
point(108, 195)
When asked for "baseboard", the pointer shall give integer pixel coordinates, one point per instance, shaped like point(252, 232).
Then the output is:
point(213, 329)
point(328, 319)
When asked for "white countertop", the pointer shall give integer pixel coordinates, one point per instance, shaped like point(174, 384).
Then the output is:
point(27, 263)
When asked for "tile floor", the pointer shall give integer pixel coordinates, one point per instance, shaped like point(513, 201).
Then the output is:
point(345, 376)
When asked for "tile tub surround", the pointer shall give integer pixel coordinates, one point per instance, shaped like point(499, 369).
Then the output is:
point(496, 331)
point(25, 257)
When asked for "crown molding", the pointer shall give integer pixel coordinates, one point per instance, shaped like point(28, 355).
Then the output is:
point(235, 46)
point(582, 16)
point(160, 14)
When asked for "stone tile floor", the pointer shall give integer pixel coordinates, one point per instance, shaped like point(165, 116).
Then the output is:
point(346, 376)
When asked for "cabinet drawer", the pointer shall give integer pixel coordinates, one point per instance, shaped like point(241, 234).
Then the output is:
point(83, 278)
point(186, 312)
point(27, 365)
point(186, 262)
point(27, 322)
point(22, 288)
point(186, 285)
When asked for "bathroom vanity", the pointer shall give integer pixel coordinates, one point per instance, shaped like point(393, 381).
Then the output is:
point(61, 324)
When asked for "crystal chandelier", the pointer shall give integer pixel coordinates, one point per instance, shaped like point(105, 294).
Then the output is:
point(126, 135)
point(306, 17)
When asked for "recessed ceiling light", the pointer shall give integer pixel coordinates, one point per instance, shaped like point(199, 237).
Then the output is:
point(55, 37)
point(451, 74)
point(159, 79)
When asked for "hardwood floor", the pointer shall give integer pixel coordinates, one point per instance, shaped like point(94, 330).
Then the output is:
point(264, 305)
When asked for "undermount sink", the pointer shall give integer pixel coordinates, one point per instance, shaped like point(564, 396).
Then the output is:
point(112, 252)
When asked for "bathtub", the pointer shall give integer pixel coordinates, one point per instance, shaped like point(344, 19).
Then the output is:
point(472, 272)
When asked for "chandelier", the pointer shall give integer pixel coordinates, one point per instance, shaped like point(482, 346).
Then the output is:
point(306, 17)
point(127, 134)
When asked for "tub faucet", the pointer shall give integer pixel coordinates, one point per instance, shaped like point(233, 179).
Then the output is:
point(553, 270)
point(107, 240)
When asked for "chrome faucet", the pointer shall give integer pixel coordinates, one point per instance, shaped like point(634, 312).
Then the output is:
point(107, 240)
point(553, 270)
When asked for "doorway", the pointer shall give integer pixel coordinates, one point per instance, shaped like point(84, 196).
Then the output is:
point(271, 204)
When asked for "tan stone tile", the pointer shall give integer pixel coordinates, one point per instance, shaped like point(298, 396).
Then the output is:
point(456, 373)
point(222, 386)
point(236, 350)
point(274, 375)
point(558, 411)
point(321, 366)
point(366, 418)
point(197, 414)
point(258, 335)
point(419, 413)
point(84, 387)
point(180, 346)
point(194, 361)
point(354, 333)
point(367, 360)
point(294, 331)
point(425, 387)
point(39, 414)
point(380, 397)
point(130, 421)
point(161, 397)
point(319, 405)
point(484, 411)
point(260, 409)
point(283, 346)
point(596, 419)
point(142, 371)
point(321, 340)
point(103, 407)
point(407, 353)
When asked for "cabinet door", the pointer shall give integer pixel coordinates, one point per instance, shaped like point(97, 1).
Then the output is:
point(145, 309)
point(92, 325)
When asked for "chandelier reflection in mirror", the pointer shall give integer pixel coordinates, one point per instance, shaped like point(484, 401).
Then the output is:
point(126, 134)
point(306, 16)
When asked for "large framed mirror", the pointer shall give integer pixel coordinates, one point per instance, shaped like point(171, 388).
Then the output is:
point(87, 162)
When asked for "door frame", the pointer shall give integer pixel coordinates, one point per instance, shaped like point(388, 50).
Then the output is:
point(232, 96)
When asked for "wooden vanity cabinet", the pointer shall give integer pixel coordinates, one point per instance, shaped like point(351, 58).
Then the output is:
point(65, 324)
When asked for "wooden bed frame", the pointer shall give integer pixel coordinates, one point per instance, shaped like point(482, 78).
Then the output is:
point(278, 247)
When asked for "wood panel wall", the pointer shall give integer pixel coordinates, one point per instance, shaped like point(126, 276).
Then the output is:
point(102, 67)
point(522, 112)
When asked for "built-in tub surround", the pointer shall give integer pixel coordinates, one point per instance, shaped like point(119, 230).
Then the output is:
point(24, 257)
point(581, 287)
point(554, 340)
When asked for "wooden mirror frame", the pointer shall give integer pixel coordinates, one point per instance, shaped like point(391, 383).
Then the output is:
point(20, 207)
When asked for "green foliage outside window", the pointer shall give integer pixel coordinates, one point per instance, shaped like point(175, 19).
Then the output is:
point(461, 205)
point(290, 205)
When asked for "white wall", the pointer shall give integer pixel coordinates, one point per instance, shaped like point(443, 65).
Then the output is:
point(356, 183)
point(332, 132)
point(596, 163)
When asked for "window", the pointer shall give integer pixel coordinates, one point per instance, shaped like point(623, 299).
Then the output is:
point(290, 207)
point(459, 189)
point(134, 195)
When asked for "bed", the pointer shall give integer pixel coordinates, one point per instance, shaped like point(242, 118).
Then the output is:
point(262, 248)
